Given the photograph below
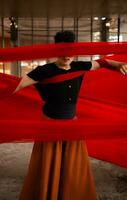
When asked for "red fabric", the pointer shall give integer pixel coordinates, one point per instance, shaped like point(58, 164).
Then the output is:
point(63, 77)
point(103, 63)
point(101, 111)
point(54, 50)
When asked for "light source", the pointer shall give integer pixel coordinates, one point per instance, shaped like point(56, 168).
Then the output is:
point(13, 29)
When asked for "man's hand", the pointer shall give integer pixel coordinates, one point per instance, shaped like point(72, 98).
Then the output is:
point(123, 69)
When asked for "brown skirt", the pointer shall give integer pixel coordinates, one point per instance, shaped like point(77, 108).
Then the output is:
point(59, 171)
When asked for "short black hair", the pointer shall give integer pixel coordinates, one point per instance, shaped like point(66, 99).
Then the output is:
point(64, 36)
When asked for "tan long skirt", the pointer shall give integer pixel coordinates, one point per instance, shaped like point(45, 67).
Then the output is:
point(59, 171)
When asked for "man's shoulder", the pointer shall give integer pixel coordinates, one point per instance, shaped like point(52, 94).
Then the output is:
point(45, 67)
point(81, 65)
point(80, 61)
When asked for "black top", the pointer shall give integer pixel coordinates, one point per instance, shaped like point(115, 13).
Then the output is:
point(60, 98)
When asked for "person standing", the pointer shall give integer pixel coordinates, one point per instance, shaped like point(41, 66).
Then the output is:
point(61, 170)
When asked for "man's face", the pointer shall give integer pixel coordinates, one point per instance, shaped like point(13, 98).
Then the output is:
point(65, 61)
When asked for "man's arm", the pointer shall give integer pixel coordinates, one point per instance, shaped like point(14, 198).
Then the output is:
point(110, 64)
point(25, 81)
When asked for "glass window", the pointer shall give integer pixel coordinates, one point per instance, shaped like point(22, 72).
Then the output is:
point(112, 23)
point(123, 28)
point(84, 34)
point(42, 30)
point(68, 24)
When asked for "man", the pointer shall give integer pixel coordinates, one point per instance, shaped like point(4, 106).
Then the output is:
point(61, 170)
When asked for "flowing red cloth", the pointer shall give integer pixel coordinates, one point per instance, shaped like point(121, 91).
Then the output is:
point(101, 108)
point(69, 49)
point(101, 111)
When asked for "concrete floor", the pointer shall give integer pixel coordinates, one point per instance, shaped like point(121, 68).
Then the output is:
point(110, 180)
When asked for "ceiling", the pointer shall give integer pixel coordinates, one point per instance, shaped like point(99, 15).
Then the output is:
point(62, 8)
